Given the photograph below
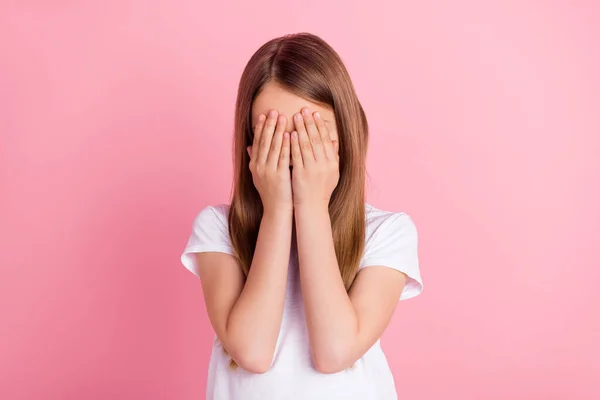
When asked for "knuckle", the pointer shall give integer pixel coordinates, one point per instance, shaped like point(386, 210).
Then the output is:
point(271, 122)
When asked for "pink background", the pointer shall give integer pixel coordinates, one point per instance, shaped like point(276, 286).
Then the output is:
point(115, 124)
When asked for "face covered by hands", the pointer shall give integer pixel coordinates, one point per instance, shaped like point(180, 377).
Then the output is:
point(312, 156)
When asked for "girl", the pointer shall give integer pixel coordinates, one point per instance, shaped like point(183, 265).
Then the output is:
point(300, 276)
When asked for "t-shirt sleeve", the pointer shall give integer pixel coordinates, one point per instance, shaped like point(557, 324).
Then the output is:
point(394, 245)
point(210, 233)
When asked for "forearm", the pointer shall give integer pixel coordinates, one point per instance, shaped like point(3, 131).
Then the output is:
point(254, 322)
point(331, 319)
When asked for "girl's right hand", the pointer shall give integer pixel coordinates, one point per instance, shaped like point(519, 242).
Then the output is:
point(270, 162)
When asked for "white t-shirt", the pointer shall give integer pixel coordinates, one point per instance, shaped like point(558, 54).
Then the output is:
point(391, 241)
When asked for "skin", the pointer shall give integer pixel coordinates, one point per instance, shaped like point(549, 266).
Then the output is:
point(275, 97)
point(247, 317)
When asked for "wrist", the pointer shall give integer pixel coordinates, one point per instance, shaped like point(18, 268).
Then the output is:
point(314, 207)
point(278, 210)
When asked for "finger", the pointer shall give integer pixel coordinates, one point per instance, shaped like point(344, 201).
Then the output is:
point(257, 134)
point(267, 136)
point(326, 141)
point(249, 149)
point(336, 146)
point(297, 161)
point(284, 155)
point(313, 135)
point(303, 140)
point(273, 156)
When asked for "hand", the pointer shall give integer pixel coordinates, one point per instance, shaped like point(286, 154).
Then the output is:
point(270, 162)
point(315, 160)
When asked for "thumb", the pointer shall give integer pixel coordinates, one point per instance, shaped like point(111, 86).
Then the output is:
point(249, 149)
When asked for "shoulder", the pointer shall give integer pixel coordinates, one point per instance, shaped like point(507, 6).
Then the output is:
point(212, 223)
point(210, 233)
point(391, 241)
point(213, 215)
point(380, 222)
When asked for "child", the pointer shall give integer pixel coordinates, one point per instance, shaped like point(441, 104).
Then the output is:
point(300, 275)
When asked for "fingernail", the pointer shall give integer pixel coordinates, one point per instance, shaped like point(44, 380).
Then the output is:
point(272, 113)
point(306, 112)
point(261, 117)
point(286, 135)
point(299, 117)
point(295, 135)
point(317, 115)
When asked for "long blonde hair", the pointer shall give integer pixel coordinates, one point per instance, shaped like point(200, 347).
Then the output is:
point(307, 66)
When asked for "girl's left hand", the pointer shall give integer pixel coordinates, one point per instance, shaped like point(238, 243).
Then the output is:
point(315, 160)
